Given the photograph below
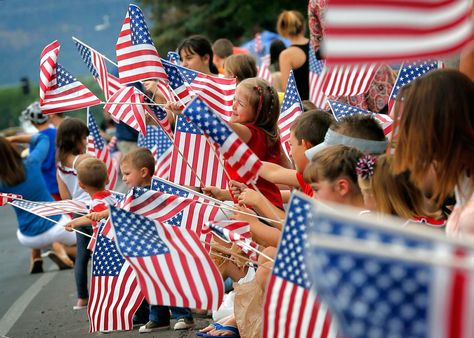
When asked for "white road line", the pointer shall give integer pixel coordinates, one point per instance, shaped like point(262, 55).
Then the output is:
point(17, 309)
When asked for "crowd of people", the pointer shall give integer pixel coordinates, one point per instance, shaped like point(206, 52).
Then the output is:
point(426, 177)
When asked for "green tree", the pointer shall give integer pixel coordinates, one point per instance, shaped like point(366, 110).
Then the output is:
point(173, 20)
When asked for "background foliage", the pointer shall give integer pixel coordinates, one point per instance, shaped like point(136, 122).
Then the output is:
point(173, 20)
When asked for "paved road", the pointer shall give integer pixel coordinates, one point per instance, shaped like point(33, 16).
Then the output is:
point(41, 305)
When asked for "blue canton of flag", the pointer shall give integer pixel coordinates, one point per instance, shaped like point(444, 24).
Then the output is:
point(87, 57)
point(177, 82)
point(409, 72)
point(380, 294)
point(291, 94)
point(138, 27)
point(341, 110)
point(151, 138)
point(63, 77)
point(106, 261)
point(289, 298)
point(184, 126)
point(173, 57)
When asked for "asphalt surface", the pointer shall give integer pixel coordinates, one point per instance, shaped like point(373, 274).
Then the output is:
point(40, 305)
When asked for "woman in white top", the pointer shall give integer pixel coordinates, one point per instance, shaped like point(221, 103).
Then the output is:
point(71, 143)
point(437, 130)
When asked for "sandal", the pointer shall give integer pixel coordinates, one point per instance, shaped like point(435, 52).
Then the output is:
point(36, 265)
point(201, 334)
point(62, 263)
point(226, 328)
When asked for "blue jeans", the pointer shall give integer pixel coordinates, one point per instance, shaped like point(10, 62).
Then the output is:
point(82, 259)
point(161, 314)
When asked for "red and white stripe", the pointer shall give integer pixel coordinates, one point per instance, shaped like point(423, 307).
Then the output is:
point(165, 91)
point(286, 119)
point(163, 164)
point(195, 162)
point(348, 80)
point(69, 97)
point(264, 73)
point(316, 89)
point(99, 64)
point(60, 207)
point(292, 311)
point(184, 277)
point(126, 106)
point(217, 92)
point(386, 123)
point(137, 62)
point(6, 198)
point(113, 301)
point(241, 159)
point(371, 30)
point(48, 59)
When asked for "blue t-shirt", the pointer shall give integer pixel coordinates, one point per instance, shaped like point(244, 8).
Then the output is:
point(48, 167)
point(33, 188)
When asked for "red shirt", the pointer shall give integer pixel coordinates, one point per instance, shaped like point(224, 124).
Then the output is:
point(259, 145)
point(305, 187)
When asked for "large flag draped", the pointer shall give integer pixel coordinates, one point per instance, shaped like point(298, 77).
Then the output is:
point(370, 30)
point(386, 280)
point(97, 148)
point(160, 145)
point(115, 294)
point(170, 262)
point(95, 62)
point(136, 54)
point(240, 158)
point(194, 161)
point(59, 90)
point(126, 105)
point(291, 308)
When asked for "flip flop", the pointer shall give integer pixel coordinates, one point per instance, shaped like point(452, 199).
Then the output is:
point(59, 262)
point(228, 328)
point(36, 266)
point(201, 334)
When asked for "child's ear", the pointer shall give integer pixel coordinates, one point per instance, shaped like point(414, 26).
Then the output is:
point(343, 186)
point(81, 185)
point(144, 172)
point(306, 144)
point(206, 58)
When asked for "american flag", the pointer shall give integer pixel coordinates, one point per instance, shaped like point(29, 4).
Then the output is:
point(59, 90)
point(177, 83)
point(192, 218)
point(5, 198)
point(237, 232)
point(99, 204)
point(389, 281)
point(341, 110)
point(291, 309)
point(170, 262)
point(289, 111)
point(126, 106)
point(316, 77)
point(49, 55)
point(194, 161)
point(52, 208)
point(264, 73)
point(97, 148)
point(115, 293)
point(409, 72)
point(160, 146)
point(240, 158)
point(95, 62)
point(217, 92)
point(348, 80)
point(174, 58)
point(367, 30)
point(161, 116)
point(136, 54)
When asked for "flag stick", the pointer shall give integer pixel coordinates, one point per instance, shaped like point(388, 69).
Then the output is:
point(49, 219)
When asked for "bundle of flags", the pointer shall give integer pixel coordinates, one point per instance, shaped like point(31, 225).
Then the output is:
point(381, 279)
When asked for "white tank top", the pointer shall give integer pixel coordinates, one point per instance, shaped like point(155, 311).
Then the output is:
point(69, 177)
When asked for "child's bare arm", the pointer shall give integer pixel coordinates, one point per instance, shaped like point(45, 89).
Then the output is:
point(262, 205)
point(77, 222)
point(97, 216)
point(278, 175)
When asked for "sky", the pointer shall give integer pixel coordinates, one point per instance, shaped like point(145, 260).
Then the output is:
point(27, 26)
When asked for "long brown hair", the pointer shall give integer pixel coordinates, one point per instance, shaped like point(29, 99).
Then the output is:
point(12, 171)
point(437, 128)
point(395, 194)
point(264, 99)
point(69, 138)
